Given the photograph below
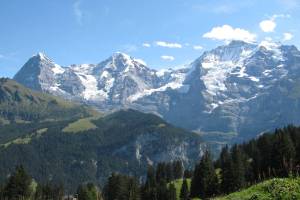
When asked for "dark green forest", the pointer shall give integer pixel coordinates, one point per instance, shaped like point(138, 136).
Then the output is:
point(50, 154)
point(239, 166)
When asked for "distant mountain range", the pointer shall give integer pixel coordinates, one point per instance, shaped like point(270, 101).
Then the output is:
point(235, 91)
point(62, 142)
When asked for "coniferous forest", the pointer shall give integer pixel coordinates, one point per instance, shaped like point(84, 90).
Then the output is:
point(239, 166)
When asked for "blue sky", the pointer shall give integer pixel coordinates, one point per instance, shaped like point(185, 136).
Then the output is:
point(164, 33)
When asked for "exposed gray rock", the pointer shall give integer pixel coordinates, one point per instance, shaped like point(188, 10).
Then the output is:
point(238, 89)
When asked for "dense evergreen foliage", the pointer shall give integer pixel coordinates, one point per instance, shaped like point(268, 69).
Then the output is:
point(50, 154)
point(270, 155)
point(184, 191)
point(88, 192)
point(204, 183)
point(242, 165)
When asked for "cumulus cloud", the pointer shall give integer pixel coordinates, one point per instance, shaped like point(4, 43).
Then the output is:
point(168, 58)
point(168, 44)
point(287, 36)
point(228, 33)
point(78, 12)
point(197, 47)
point(146, 45)
point(268, 25)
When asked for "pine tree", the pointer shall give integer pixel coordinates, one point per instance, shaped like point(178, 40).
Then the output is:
point(18, 185)
point(133, 190)
point(161, 172)
point(162, 190)
point(205, 181)
point(149, 191)
point(196, 182)
point(188, 173)
point(113, 188)
point(283, 153)
point(171, 192)
point(88, 192)
point(184, 192)
point(178, 169)
point(226, 166)
point(238, 168)
point(169, 172)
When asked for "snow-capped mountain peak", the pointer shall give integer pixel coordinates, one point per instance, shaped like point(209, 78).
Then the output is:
point(215, 92)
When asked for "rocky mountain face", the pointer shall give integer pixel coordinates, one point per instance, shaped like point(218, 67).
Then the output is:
point(238, 89)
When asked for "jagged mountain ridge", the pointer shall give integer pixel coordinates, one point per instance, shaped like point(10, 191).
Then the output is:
point(119, 80)
point(220, 92)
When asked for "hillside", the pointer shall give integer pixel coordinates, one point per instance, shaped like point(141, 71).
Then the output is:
point(19, 104)
point(283, 189)
point(125, 141)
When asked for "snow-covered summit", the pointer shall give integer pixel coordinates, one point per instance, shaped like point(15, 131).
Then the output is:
point(215, 92)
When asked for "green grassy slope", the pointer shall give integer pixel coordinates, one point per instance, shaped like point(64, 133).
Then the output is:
point(19, 104)
point(280, 189)
point(277, 188)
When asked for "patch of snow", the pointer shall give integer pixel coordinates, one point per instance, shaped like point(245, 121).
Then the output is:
point(267, 72)
point(105, 74)
point(173, 85)
point(215, 77)
point(176, 83)
point(273, 47)
point(91, 89)
point(162, 72)
point(57, 69)
point(42, 55)
point(252, 78)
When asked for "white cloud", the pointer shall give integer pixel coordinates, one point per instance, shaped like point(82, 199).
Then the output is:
point(287, 36)
point(268, 25)
point(146, 45)
point(197, 47)
point(78, 12)
point(168, 58)
point(168, 44)
point(227, 33)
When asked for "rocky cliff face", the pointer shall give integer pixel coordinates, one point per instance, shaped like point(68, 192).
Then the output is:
point(236, 89)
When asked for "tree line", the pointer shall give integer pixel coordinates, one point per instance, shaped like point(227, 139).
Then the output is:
point(237, 167)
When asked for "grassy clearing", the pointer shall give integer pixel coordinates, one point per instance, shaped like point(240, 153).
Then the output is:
point(80, 125)
point(26, 139)
point(280, 189)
